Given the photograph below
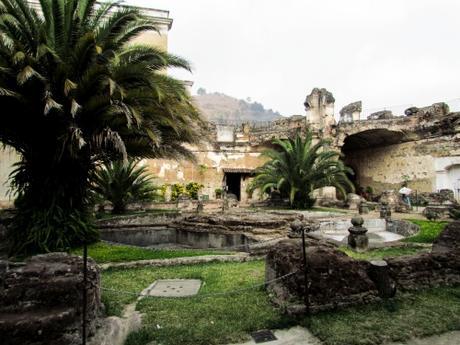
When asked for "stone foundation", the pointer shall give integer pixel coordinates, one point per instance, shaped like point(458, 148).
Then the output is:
point(41, 299)
point(337, 280)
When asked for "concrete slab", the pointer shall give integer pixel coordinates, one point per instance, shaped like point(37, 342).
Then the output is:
point(292, 336)
point(173, 288)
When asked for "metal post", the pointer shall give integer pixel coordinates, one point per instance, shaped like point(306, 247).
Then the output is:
point(85, 280)
point(305, 272)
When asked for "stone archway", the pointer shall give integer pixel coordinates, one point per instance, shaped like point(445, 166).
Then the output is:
point(367, 153)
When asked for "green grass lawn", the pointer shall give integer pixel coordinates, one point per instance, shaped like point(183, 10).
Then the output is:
point(381, 253)
point(103, 252)
point(226, 319)
point(429, 230)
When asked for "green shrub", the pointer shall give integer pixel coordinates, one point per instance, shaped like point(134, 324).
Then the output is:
point(192, 189)
point(162, 192)
point(218, 192)
point(177, 189)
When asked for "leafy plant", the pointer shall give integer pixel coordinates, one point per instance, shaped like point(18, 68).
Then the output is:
point(178, 189)
point(73, 93)
point(297, 167)
point(122, 184)
point(218, 192)
point(162, 191)
point(192, 189)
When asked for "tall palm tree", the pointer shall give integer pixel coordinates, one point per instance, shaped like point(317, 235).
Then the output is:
point(296, 167)
point(122, 184)
point(73, 91)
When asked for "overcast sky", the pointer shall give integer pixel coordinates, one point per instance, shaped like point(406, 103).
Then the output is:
point(385, 52)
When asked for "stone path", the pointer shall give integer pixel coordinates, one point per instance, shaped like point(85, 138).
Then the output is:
point(191, 260)
point(449, 338)
point(292, 336)
point(301, 336)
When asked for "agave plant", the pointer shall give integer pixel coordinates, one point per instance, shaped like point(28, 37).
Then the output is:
point(122, 184)
point(73, 92)
point(296, 167)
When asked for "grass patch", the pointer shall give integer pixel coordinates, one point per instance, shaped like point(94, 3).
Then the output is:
point(420, 314)
point(196, 321)
point(227, 319)
point(429, 231)
point(103, 252)
point(381, 253)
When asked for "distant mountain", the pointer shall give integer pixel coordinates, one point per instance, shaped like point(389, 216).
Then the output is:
point(218, 107)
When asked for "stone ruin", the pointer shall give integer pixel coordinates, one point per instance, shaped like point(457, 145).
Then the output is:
point(381, 115)
point(41, 300)
point(351, 112)
point(337, 280)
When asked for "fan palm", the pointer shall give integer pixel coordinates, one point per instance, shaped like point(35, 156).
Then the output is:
point(121, 184)
point(296, 167)
point(73, 91)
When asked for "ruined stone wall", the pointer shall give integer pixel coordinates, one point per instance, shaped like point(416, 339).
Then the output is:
point(41, 300)
point(337, 280)
point(208, 169)
point(387, 167)
point(230, 146)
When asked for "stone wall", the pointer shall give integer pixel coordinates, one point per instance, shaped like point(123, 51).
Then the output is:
point(386, 167)
point(337, 280)
point(41, 299)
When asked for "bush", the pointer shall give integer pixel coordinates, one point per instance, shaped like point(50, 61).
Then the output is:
point(218, 192)
point(162, 192)
point(192, 189)
point(178, 189)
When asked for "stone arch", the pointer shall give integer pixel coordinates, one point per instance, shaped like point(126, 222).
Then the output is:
point(371, 138)
point(365, 151)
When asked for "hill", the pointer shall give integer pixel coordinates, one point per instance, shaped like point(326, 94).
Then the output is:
point(221, 108)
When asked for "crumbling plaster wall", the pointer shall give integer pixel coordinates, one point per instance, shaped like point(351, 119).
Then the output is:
point(387, 167)
point(208, 169)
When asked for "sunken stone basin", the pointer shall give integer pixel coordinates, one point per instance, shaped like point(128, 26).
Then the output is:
point(236, 230)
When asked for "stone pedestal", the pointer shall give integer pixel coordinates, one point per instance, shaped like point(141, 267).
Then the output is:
point(363, 208)
point(358, 240)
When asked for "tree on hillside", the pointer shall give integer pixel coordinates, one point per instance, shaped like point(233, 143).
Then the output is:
point(74, 92)
point(297, 167)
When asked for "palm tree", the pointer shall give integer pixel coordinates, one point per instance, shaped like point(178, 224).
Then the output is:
point(73, 92)
point(297, 167)
point(121, 184)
